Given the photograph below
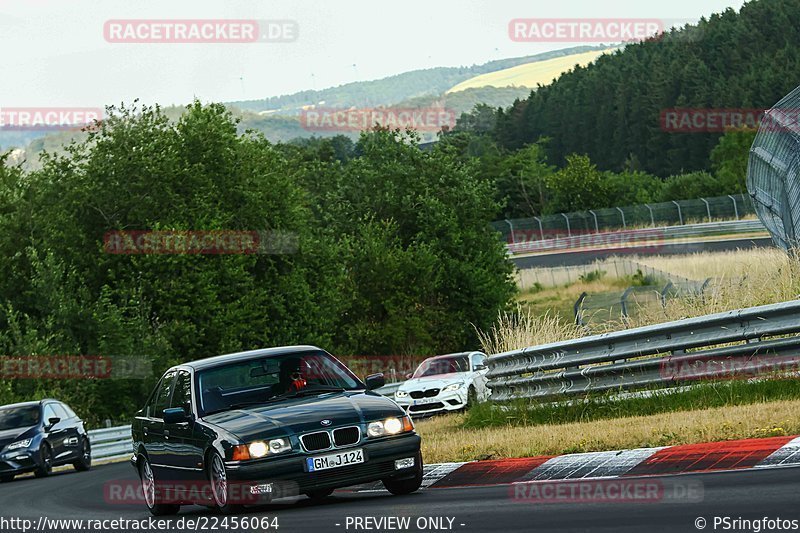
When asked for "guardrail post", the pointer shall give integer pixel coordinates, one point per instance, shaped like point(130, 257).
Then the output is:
point(735, 208)
point(596, 226)
point(541, 230)
point(510, 225)
point(652, 219)
point(708, 208)
point(567, 219)
point(623, 300)
point(624, 225)
point(680, 215)
point(664, 293)
point(578, 308)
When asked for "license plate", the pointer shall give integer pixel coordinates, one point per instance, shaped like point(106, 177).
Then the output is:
point(335, 460)
point(423, 401)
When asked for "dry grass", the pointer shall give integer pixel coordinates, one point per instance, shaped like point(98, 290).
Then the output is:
point(743, 278)
point(444, 439)
point(728, 265)
point(524, 328)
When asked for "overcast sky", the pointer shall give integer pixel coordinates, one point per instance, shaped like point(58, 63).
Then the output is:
point(55, 54)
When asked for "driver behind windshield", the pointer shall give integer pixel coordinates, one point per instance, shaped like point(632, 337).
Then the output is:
point(290, 378)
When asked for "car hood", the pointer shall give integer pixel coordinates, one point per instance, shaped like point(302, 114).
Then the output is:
point(301, 415)
point(435, 382)
point(8, 436)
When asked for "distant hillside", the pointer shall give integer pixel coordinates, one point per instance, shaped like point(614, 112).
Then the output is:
point(278, 117)
point(394, 89)
point(611, 110)
point(530, 74)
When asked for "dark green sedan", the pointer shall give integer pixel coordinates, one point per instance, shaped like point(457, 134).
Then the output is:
point(249, 427)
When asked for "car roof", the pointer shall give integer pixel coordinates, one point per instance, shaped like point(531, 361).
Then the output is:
point(219, 360)
point(25, 404)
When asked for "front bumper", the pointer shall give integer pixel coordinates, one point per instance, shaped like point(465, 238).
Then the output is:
point(441, 403)
point(18, 461)
point(288, 476)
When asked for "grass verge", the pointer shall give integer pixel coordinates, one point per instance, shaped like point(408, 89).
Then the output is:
point(446, 438)
point(602, 407)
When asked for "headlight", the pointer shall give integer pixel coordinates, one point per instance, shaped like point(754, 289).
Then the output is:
point(259, 449)
point(390, 426)
point(19, 444)
point(279, 446)
point(454, 386)
point(400, 394)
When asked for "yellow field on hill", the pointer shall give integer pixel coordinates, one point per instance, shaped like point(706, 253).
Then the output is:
point(529, 74)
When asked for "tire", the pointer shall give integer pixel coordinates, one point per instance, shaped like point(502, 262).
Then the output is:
point(151, 496)
point(7, 478)
point(45, 461)
point(406, 486)
point(318, 495)
point(218, 477)
point(84, 462)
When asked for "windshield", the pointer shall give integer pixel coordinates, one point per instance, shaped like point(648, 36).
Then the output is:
point(442, 365)
point(19, 417)
point(272, 379)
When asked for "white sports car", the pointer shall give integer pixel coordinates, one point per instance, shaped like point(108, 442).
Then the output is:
point(445, 383)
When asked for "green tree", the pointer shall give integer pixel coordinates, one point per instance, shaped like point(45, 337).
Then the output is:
point(577, 186)
point(729, 159)
point(423, 264)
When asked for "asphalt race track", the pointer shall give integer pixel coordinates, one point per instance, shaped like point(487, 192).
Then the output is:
point(749, 494)
point(584, 257)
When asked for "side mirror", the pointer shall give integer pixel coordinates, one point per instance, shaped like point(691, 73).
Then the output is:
point(176, 415)
point(408, 376)
point(375, 381)
point(53, 421)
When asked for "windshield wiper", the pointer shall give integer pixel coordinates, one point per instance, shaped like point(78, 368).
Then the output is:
point(236, 406)
point(307, 392)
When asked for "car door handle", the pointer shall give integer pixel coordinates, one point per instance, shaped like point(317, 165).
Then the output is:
point(144, 430)
point(166, 433)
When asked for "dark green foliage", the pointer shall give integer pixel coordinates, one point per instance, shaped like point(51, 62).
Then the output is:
point(611, 109)
point(395, 255)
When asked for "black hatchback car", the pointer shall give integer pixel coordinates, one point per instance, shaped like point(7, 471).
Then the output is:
point(248, 427)
point(36, 436)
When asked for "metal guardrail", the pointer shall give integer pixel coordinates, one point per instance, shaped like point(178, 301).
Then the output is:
point(111, 443)
point(653, 355)
point(389, 389)
point(657, 236)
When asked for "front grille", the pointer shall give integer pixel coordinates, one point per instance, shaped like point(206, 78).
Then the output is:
point(426, 407)
point(430, 393)
point(316, 441)
point(346, 436)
